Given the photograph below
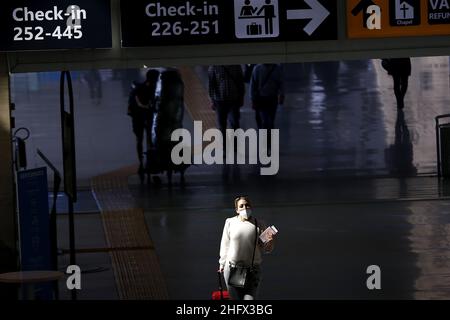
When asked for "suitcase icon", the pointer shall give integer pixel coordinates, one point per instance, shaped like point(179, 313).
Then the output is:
point(254, 29)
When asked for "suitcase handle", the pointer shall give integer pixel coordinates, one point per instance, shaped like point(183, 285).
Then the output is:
point(219, 274)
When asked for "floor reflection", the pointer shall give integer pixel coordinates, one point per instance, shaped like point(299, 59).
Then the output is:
point(430, 241)
point(399, 156)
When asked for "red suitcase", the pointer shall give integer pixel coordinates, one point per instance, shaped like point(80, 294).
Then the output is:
point(220, 294)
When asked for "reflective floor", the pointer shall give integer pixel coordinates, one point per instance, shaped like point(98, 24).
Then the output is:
point(356, 185)
point(322, 252)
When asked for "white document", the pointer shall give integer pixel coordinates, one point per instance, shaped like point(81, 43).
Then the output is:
point(268, 232)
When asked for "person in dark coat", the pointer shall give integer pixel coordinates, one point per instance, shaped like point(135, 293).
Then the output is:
point(94, 81)
point(266, 93)
point(141, 108)
point(168, 117)
point(226, 91)
point(400, 70)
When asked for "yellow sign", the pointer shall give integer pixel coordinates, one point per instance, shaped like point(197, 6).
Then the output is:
point(397, 18)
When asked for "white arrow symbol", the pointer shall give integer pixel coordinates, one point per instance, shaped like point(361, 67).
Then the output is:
point(317, 14)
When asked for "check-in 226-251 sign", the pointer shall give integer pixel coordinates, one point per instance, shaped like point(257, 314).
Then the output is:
point(175, 22)
point(54, 24)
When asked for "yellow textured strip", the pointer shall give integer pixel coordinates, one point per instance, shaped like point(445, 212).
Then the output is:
point(137, 271)
point(197, 99)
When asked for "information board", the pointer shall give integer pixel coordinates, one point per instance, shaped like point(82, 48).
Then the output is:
point(397, 18)
point(175, 22)
point(55, 24)
point(34, 219)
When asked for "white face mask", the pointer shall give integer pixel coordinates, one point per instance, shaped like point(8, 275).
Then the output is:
point(245, 213)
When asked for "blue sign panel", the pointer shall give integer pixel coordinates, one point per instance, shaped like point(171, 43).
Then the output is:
point(55, 24)
point(34, 223)
point(176, 22)
point(34, 219)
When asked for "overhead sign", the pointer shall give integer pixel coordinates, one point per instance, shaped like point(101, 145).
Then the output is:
point(310, 20)
point(257, 19)
point(397, 18)
point(55, 24)
point(174, 22)
point(404, 13)
point(438, 12)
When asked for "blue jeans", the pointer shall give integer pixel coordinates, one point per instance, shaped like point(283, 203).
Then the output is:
point(250, 291)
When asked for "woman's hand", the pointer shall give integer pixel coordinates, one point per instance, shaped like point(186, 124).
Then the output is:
point(269, 245)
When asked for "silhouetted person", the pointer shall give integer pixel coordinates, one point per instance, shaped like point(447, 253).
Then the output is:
point(94, 81)
point(266, 93)
point(226, 91)
point(141, 106)
point(400, 70)
point(269, 14)
point(169, 115)
point(126, 77)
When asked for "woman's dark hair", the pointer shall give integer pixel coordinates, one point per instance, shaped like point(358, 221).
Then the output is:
point(241, 198)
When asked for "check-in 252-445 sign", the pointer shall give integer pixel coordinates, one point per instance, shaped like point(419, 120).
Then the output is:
point(55, 24)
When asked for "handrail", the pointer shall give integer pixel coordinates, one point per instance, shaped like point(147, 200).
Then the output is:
point(70, 190)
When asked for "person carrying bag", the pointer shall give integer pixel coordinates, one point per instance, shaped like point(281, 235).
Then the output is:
point(241, 252)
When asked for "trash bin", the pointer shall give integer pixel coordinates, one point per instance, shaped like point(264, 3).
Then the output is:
point(443, 146)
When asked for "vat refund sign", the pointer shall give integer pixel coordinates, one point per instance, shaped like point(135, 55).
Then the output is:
point(175, 22)
point(397, 18)
point(55, 24)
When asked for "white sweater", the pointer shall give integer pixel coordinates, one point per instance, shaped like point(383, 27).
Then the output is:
point(238, 242)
